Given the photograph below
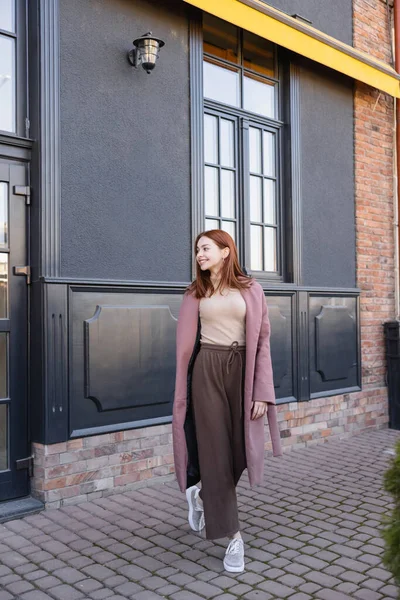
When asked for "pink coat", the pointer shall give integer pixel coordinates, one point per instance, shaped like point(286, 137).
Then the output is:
point(258, 386)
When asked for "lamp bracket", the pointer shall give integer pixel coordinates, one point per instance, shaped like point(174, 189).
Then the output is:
point(134, 58)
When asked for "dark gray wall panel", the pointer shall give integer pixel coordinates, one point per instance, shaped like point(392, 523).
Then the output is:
point(334, 17)
point(327, 172)
point(125, 143)
point(122, 356)
point(281, 310)
point(129, 353)
point(333, 342)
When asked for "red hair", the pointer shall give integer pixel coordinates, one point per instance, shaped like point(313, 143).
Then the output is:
point(232, 275)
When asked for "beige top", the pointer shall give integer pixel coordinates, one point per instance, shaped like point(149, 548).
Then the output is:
point(223, 318)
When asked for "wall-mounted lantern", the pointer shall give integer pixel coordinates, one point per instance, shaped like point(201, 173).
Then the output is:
point(145, 51)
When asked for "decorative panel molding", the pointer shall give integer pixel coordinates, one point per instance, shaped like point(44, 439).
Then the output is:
point(281, 316)
point(334, 346)
point(122, 356)
point(333, 361)
point(281, 355)
point(130, 356)
point(50, 153)
point(56, 362)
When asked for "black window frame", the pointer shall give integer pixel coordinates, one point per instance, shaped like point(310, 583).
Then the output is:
point(21, 72)
point(246, 119)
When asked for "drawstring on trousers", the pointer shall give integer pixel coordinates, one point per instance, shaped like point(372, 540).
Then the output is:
point(234, 351)
point(231, 357)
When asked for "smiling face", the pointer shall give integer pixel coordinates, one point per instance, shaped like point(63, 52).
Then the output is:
point(210, 256)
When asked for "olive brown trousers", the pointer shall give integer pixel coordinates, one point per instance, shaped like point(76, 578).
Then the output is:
point(217, 396)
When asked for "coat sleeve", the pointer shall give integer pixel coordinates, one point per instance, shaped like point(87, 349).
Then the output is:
point(264, 381)
point(185, 340)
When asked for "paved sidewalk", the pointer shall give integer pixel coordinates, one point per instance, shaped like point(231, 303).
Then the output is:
point(311, 532)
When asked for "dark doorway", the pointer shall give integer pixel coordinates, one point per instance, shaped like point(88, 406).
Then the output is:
point(14, 196)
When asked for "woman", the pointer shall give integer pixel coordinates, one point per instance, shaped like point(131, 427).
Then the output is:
point(224, 387)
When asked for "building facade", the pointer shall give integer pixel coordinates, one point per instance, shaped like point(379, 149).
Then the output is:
point(273, 121)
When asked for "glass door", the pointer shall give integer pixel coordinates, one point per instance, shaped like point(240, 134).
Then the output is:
point(13, 332)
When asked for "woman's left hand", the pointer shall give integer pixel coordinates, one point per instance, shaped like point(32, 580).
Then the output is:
point(258, 410)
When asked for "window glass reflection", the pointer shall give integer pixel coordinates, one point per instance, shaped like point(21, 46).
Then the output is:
point(7, 15)
point(221, 84)
point(227, 143)
point(3, 286)
point(270, 249)
point(211, 190)
point(3, 366)
point(229, 227)
point(220, 38)
point(258, 54)
point(255, 199)
point(255, 149)
point(227, 194)
point(212, 224)
point(269, 153)
point(3, 436)
point(210, 139)
point(259, 96)
point(269, 202)
point(256, 248)
point(3, 214)
point(7, 84)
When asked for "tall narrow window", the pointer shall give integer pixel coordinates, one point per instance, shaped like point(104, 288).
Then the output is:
point(242, 143)
point(7, 66)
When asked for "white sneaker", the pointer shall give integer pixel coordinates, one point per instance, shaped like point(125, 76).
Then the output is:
point(234, 556)
point(196, 513)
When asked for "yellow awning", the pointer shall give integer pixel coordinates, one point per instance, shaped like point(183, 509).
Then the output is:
point(286, 31)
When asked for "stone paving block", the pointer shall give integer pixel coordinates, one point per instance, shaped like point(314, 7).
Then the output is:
point(257, 595)
point(102, 594)
point(128, 589)
point(224, 581)
point(291, 580)
point(69, 575)
point(34, 595)
point(88, 585)
point(146, 595)
point(249, 578)
point(389, 590)
point(180, 579)
point(66, 592)
point(322, 579)
point(99, 571)
point(184, 595)
point(373, 584)
point(207, 576)
point(226, 596)
point(240, 589)
point(19, 587)
point(36, 574)
point(347, 588)
point(80, 562)
point(326, 594)
point(6, 595)
point(276, 589)
point(379, 573)
point(364, 594)
point(296, 568)
point(373, 560)
point(46, 583)
point(312, 562)
point(208, 590)
point(309, 588)
point(300, 596)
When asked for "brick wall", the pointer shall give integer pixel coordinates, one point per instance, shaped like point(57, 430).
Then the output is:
point(87, 468)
